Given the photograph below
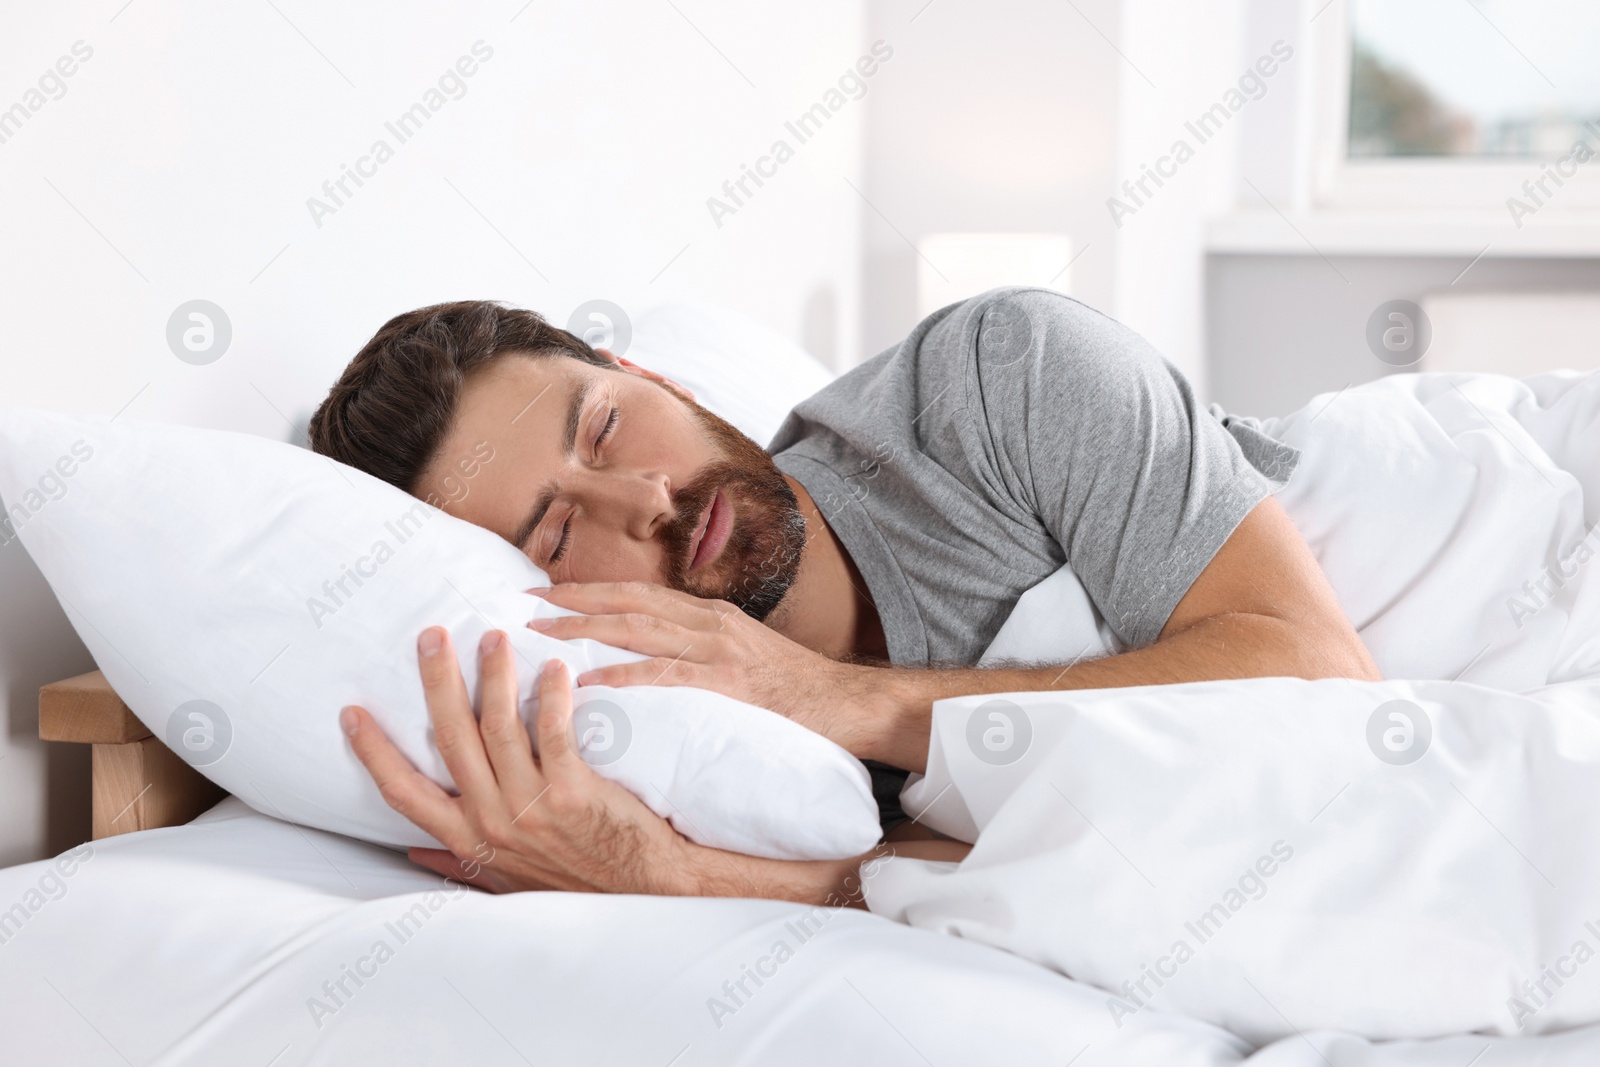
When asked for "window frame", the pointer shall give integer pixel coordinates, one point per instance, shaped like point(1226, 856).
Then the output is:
point(1423, 184)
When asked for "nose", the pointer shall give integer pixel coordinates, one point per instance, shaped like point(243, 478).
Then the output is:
point(640, 503)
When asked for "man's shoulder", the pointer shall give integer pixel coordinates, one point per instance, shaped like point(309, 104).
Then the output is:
point(989, 336)
point(999, 333)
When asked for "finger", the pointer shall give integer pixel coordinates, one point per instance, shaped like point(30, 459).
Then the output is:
point(657, 671)
point(558, 757)
point(404, 788)
point(505, 738)
point(455, 729)
point(647, 635)
point(617, 598)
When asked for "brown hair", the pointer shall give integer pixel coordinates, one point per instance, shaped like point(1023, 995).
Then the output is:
point(391, 409)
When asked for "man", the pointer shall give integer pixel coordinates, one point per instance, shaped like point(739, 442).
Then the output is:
point(902, 512)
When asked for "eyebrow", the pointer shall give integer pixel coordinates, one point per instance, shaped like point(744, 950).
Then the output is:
point(569, 446)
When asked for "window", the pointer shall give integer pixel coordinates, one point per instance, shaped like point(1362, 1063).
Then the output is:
point(1454, 103)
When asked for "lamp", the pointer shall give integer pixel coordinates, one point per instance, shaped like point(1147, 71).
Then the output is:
point(954, 266)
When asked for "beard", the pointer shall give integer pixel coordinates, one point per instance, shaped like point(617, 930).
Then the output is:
point(761, 557)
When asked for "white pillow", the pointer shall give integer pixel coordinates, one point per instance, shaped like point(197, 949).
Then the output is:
point(740, 369)
point(237, 592)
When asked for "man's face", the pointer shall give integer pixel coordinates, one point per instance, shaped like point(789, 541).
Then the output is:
point(613, 475)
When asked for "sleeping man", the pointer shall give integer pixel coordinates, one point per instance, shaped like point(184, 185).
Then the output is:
point(846, 577)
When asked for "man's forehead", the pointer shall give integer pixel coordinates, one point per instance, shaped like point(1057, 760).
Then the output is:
point(518, 381)
point(514, 396)
point(512, 404)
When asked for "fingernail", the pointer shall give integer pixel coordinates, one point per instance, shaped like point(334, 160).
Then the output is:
point(541, 624)
point(431, 641)
point(490, 642)
point(552, 667)
point(583, 679)
point(350, 721)
point(540, 591)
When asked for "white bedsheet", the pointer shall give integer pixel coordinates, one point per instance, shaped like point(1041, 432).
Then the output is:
point(1416, 898)
point(211, 943)
point(206, 944)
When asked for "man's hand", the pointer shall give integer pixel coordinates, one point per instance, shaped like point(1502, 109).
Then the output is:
point(520, 822)
point(549, 822)
point(711, 644)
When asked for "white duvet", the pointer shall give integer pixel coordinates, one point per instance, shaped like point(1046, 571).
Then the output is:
point(1401, 859)
point(1360, 897)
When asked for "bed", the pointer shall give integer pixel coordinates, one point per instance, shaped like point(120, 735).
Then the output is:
point(1426, 898)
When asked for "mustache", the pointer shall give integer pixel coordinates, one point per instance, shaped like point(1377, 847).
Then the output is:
point(690, 501)
point(761, 558)
point(763, 548)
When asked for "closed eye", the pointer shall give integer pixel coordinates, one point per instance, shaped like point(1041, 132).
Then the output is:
point(611, 424)
point(566, 527)
point(561, 546)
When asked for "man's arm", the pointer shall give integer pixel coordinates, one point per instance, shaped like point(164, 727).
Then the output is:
point(1261, 607)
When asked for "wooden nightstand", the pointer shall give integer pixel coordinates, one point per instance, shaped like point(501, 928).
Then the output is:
point(139, 783)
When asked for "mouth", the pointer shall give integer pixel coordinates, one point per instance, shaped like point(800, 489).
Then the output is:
point(712, 533)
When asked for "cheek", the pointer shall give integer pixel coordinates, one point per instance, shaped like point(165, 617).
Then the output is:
point(611, 559)
point(664, 435)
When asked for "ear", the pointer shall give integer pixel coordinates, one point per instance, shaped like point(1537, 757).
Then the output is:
point(633, 368)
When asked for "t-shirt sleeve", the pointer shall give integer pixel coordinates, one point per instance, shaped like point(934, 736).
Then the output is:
point(1087, 427)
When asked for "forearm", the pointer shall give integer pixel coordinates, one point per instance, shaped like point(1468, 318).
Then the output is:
point(709, 872)
point(1230, 645)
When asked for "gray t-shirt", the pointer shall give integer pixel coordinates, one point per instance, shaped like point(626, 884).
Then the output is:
point(1010, 434)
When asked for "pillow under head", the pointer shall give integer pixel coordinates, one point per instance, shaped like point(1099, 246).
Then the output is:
point(237, 592)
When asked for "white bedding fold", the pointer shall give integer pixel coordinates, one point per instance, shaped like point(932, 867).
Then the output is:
point(1236, 851)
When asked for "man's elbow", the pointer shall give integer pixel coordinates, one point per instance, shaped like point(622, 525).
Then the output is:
point(1245, 644)
point(1333, 650)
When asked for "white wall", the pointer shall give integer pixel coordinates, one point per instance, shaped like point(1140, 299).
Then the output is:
point(1182, 59)
point(179, 162)
point(999, 116)
point(1025, 115)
